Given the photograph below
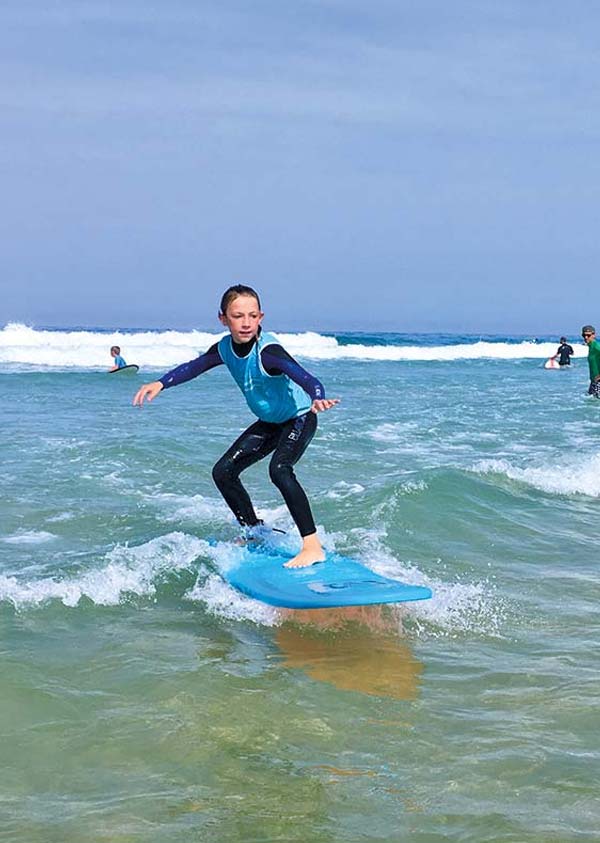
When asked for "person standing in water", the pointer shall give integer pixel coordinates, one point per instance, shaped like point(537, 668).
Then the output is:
point(564, 352)
point(588, 332)
point(115, 353)
point(285, 398)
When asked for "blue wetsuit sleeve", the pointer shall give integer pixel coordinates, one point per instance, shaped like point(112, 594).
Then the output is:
point(193, 368)
point(277, 361)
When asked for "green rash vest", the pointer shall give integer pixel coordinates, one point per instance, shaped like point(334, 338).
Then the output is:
point(594, 359)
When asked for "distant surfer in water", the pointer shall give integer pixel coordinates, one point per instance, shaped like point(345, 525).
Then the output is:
point(564, 352)
point(588, 332)
point(115, 353)
point(285, 397)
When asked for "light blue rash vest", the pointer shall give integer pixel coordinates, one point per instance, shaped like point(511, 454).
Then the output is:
point(273, 398)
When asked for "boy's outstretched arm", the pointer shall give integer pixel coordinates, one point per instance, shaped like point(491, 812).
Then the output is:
point(180, 374)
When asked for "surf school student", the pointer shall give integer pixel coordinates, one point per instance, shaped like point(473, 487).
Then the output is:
point(588, 332)
point(115, 353)
point(564, 352)
point(284, 396)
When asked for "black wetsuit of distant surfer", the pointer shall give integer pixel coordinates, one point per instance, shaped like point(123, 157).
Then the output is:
point(564, 352)
point(287, 439)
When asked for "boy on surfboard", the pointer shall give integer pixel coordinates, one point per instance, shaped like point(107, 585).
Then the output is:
point(119, 362)
point(285, 398)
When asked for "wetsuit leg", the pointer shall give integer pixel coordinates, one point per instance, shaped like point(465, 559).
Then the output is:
point(294, 438)
point(254, 443)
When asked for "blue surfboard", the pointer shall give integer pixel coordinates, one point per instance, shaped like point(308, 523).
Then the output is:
point(338, 581)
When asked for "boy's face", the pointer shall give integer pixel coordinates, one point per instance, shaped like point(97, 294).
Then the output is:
point(588, 336)
point(242, 318)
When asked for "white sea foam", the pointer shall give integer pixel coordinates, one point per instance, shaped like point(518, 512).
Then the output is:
point(28, 537)
point(90, 349)
point(24, 345)
point(579, 476)
point(137, 571)
point(224, 601)
point(455, 608)
point(459, 608)
point(412, 487)
point(127, 571)
point(389, 431)
point(196, 509)
point(343, 489)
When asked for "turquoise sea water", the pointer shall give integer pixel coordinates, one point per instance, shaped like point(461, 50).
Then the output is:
point(144, 700)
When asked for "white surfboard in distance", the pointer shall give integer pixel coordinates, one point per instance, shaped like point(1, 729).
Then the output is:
point(551, 363)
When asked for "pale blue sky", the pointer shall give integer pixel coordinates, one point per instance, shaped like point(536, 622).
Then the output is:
point(425, 165)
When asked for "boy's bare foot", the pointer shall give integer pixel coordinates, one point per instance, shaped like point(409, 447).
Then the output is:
point(311, 553)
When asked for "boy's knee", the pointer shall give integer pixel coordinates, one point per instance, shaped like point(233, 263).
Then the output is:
point(221, 472)
point(280, 474)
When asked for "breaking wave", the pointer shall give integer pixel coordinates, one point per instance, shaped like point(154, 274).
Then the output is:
point(580, 476)
point(89, 349)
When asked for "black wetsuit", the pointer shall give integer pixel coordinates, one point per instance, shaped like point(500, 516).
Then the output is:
point(287, 441)
point(566, 352)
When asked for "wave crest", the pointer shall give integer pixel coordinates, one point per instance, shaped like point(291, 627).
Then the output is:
point(128, 571)
point(578, 477)
point(89, 349)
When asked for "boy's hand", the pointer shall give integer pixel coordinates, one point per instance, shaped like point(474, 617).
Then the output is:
point(320, 404)
point(148, 391)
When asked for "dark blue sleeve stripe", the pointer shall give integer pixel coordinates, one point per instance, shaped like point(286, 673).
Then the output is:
point(193, 368)
point(277, 361)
